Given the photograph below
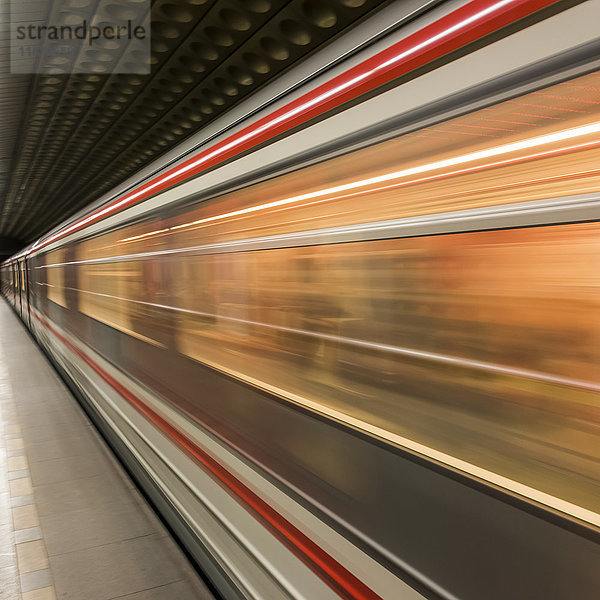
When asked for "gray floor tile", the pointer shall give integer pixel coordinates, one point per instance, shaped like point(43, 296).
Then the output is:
point(43, 405)
point(42, 402)
point(116, 570)
point(95, 526)
point(58, 470)
point(46, 433)
point(38, 386)
point(58, 498)
point(18, 474)
point(22, 500)
point(35, 580)
point(41, 376)
point(17, 452)
point(28, 535)
point(68, 445)
point(180, 590)
point(37, 418)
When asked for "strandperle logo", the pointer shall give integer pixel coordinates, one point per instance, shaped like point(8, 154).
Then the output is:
point(85, 31)
point(61, 36)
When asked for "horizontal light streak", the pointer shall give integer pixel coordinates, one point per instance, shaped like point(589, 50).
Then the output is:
point(432, 166)
point(469, 216)
point(319, 99)
point(523, 490)
point(398, 350)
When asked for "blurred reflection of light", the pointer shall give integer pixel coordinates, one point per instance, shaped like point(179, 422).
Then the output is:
point(587, 88)
point(536, 116)
point(470, 157)
point(483, 127)
point(562, 108)
point(399, 350)
point(480, 134)
point(568, 98)
point(511, 122)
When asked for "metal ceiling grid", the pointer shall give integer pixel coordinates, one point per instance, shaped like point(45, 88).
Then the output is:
point(13, 91)
point(82, 134)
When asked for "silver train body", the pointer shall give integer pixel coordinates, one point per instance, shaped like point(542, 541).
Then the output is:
point(361, 360)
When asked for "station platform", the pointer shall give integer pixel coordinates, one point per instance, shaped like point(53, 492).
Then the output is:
point(72, 523)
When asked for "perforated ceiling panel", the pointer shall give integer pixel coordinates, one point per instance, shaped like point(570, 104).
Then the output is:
point(81, 134)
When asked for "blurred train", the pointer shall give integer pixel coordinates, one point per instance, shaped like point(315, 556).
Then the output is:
point(348, 343)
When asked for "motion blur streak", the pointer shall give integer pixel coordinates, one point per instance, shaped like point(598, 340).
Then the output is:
point(467, 23)
point(455, 342)
point(476, 364)
point(390, 336)
point(458, 160)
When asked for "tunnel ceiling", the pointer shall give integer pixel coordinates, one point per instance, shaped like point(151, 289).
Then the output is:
point(65, 139)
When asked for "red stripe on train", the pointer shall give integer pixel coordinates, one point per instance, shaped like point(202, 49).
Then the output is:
point(342, 581)
point(452, 32)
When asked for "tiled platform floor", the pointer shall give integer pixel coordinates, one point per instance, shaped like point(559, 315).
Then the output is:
point(72, 525)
